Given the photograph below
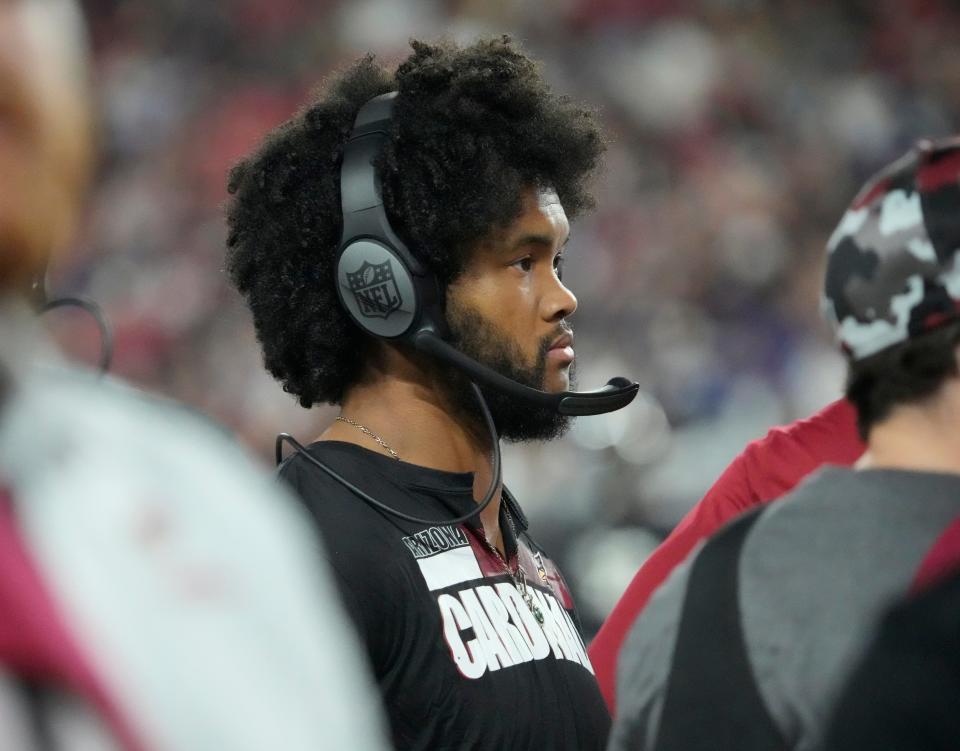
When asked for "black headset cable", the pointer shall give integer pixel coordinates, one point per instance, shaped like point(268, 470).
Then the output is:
point(95, 312)
point(488, 496)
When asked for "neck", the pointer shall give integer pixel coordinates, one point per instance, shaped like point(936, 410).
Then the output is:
point(404, 403)
point(921, 437)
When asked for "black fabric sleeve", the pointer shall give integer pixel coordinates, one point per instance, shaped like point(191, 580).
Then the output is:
point(905, 694)
point(712, 700)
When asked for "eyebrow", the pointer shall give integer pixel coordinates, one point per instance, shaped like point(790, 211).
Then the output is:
point(536, 239)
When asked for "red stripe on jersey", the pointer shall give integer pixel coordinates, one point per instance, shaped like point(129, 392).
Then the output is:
point(35, 641)
point(871, 193)
point(943, 171)
point(943, 558)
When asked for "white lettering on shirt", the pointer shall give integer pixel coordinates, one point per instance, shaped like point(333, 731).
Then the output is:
point(505, 633)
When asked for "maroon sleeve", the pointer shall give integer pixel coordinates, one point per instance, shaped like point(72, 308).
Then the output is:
point(36, 643)
point(765, 470)
point(941, 560)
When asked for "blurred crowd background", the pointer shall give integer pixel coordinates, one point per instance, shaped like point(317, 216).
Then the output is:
point(739, 130)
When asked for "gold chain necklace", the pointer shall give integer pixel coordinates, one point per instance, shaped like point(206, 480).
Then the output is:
point(519, 577)
point(366, 431)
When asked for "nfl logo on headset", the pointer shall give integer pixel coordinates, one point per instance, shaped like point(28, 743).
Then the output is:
point(375, 289)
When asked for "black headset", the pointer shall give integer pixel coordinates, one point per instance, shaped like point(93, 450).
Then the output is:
point(38, 298)
point(391, 294)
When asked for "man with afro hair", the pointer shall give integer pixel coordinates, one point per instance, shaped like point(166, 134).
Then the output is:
point(470, 627)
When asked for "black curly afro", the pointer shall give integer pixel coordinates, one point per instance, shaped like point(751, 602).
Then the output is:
point(472, 128)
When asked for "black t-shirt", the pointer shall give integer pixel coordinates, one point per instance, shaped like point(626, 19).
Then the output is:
point(462, 661)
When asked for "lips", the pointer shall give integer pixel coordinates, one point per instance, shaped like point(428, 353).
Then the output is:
point(562, 349)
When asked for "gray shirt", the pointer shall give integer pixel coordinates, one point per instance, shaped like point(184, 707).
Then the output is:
point(816, 571)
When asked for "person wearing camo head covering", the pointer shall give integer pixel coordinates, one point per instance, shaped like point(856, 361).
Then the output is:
point(748, 642)
point(892, 267)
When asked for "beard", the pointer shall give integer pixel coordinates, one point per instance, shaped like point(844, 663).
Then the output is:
point(515, 418)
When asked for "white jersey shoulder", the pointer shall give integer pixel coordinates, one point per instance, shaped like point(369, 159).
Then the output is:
point(192, 581)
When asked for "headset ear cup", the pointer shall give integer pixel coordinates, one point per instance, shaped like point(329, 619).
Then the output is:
point(377, 289)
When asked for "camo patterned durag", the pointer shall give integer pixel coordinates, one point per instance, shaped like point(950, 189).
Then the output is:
point(892, 263)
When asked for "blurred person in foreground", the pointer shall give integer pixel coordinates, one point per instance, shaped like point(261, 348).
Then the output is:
point(155, 591)
point(746, 644)
point(469, 626)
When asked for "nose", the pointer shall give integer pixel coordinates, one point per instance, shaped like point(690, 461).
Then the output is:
point(559, 302)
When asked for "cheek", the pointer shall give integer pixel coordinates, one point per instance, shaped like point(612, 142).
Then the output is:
point(504, 307)
point(495, 297)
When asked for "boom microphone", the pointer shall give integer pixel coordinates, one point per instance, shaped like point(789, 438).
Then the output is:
point(618, 392)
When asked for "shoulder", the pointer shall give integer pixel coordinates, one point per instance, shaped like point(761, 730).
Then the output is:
point(797, 541)
point(122, 453)
point(140, 513)
point(776, 463)
point(360, 539)
point(323, 464)
point(328, 478)
point(773, 465)
point(854, 520)
point(135, 438)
